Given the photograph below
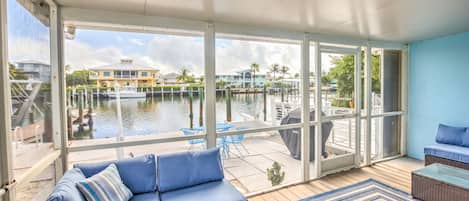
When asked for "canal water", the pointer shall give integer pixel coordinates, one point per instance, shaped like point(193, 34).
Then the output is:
point(155, 115)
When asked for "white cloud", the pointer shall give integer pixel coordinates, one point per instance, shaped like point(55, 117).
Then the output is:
point(241, 54)
point(169, 54)
point(80, 55)
point(20, 48)
point(172, 53)
point(137, 41)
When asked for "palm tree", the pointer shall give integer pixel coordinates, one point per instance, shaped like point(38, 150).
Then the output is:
point(284, 70)
point(15, 73)
point(275, 69)
point(184, 75)
point(254, 69)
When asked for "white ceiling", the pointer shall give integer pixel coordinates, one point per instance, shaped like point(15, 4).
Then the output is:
point(389, 20)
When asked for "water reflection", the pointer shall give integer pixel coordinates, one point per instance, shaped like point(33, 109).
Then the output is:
point(155, 115)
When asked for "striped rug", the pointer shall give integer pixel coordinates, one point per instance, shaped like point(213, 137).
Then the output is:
point(367, 190)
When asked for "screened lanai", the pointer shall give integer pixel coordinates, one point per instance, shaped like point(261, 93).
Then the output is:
point(348, 60)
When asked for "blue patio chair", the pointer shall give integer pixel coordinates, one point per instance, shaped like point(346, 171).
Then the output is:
point(237, 141)
point(190, 132)
point(221, 141)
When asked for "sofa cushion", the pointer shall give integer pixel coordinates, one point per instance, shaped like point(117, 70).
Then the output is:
point(66, 189)
point(105, 186)
point(465, 139)
point(451, 152)
point(153, 196)
point(450, 134)
point(212, 191)
point(138, 174)
point(186, 169)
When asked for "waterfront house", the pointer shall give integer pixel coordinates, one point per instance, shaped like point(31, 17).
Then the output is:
point(35, 70)
point(125, 73)
point(169, 78)
point(242, 79)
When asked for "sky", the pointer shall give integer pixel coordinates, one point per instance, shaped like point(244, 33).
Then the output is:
point(29, 39)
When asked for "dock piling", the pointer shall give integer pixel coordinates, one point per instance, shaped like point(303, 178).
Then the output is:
point(191, 113)
point(201, 107)
point(228, 104)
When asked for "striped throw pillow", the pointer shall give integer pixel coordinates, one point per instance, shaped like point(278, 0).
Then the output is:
point(105, 186)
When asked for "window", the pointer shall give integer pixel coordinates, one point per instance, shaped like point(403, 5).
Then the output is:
point(106, 74)
point(117, 74)
point(257, 90)
point(145, 117)
point(31, 117)
point(385, 98)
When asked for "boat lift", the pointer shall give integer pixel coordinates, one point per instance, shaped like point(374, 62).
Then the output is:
point(25, 99)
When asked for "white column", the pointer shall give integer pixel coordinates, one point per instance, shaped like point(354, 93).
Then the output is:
point(368, 106)
point(305, 138)
point(55, 91)
point(6, 167)
point(318, 113)
point(210, 86)
point(58, 88)
point(404, 100)
point(358, 98)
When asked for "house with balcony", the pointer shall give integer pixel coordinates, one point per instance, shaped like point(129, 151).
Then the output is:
point(35, 70)
point(242, 79)
point(125, 73)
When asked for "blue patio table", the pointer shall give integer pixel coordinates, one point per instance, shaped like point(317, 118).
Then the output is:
point(221, 142)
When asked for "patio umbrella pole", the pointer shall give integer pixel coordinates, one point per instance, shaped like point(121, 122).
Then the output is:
point(120, 137)
point(264, 94)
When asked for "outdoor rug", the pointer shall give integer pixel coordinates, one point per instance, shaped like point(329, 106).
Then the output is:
point(367, 190)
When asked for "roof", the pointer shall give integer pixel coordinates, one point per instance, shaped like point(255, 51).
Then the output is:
point(170, 75)
point(32, 62)
point(125, 64)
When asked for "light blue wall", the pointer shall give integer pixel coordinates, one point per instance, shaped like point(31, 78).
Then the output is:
point(438, 88)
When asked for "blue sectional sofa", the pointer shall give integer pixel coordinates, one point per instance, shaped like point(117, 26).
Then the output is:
point(451, 147)
point(183, 176)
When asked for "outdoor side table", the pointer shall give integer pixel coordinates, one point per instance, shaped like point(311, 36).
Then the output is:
point(438, 182)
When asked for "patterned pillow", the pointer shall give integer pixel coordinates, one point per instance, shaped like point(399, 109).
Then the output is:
point(105, 186)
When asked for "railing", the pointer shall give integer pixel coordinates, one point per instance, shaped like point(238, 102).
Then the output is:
point(125, 76)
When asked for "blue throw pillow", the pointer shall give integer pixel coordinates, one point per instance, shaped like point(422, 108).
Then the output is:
point(66, 189)
point(450, 135)
point(138, 174)
point(186, 169)
point(105, 186)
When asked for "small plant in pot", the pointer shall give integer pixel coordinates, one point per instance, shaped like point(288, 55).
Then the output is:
point(275, 175)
